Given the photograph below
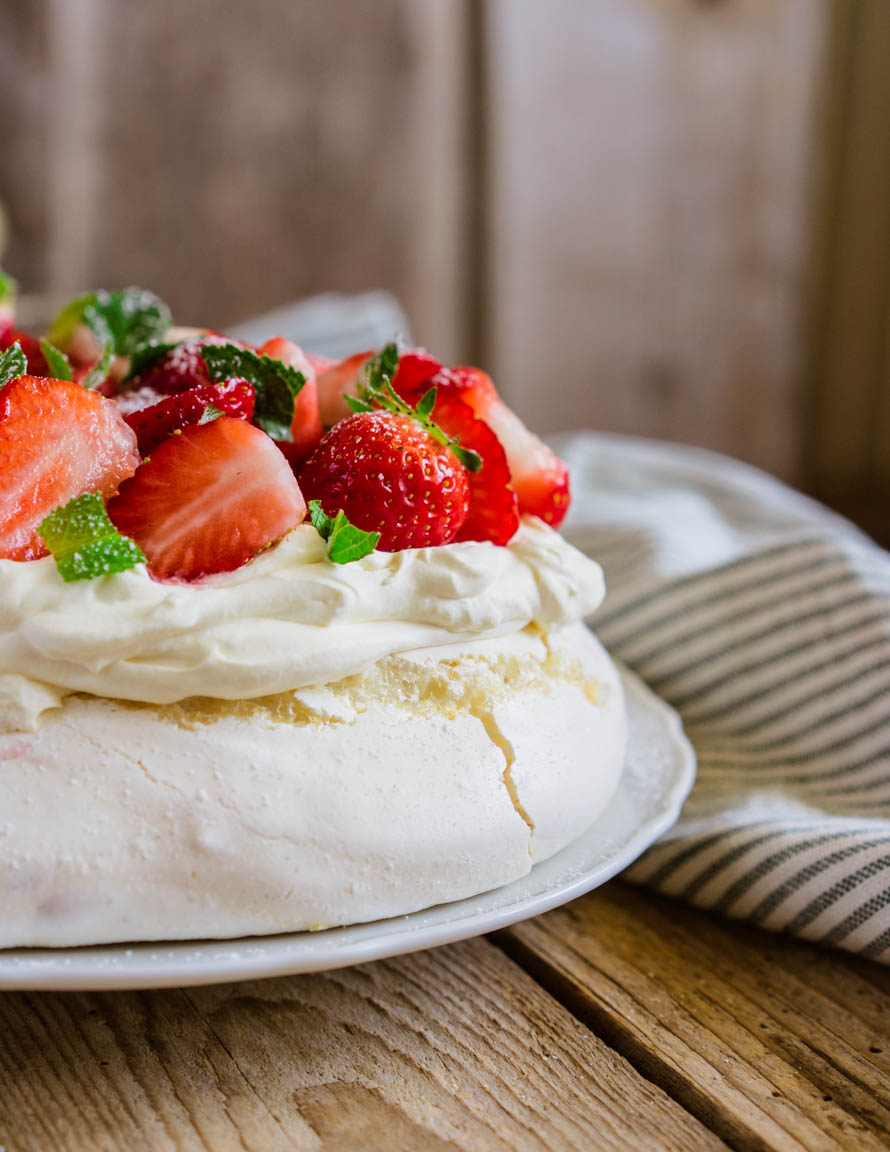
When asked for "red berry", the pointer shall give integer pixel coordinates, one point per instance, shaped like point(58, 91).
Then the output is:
point(208, 500)
point(37, 365)
point(57, 441)
point(414, 370)
point(155, 423)
point(319, 362)
point(306, 429)
point(389, 476)
point(494, 511)
point(180, 369)
point(540, 478)
point(338, 381)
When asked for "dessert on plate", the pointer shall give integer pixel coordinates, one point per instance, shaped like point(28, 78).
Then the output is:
point(284, 643)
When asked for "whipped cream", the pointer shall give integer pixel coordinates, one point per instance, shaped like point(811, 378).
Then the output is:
point(287, 620)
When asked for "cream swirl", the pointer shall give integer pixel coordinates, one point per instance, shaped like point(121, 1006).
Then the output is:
point(287, 620)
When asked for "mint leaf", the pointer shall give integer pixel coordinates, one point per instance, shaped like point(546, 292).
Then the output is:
point(85, 543)
point(100, 369)
point(345, 542)
point(210, 413)
point(380, 369)
point(126, 319)
point(58, 363)
point(321, 522)
point(12, 363)
point(277, 385)
point(375, 390)
point(426, 404)
point(8, 288)
point(146, 355)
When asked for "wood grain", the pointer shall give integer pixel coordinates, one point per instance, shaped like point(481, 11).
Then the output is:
point(611, 193)
point(772, 1043)
point(25, 32)
point(451, 1049)
point(235, 158)
point(848, 442)
point(650, 169)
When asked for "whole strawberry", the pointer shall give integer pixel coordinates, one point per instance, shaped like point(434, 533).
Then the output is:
point(389, 476)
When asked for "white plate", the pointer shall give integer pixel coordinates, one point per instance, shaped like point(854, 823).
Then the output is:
point(658, 774)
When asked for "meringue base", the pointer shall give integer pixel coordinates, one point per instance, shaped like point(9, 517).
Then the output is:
point(433, 776)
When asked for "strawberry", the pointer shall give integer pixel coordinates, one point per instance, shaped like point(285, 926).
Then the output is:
point(319, 362)
point(306, 429)
point(37, 365)
point(57, 441)
point(156, 422)
point(415, 368)
point(180, 369)
point(208, 500)
point(389, 476)
point(336, 382)
point(540, 478)
point(493, 513)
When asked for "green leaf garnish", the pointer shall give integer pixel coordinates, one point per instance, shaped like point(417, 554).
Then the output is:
point(126, 319)
point(13, 363)
point(426, 404)
point(375, 390)
point(58, 363)
point(277, 385)
point(85, 543)
point(345, 541)
point(211, 413)
point(100, 369)
point(8, 288)
point(145, 355)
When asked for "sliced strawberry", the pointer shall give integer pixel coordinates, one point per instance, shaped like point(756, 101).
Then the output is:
point(540, 478)
point(306, 429)
point(37, 365)
point(208, 500)
point(180, 369)
point(415, 369)
point(155, 423)
point(389, 476)
point(335, 383)
point(7, 313)
point(319, 362)
point(57, 441)
point(494, 511)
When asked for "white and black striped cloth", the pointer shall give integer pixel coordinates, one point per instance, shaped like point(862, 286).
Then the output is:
point(765, 621)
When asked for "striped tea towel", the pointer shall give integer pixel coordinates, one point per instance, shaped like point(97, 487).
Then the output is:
point(764, 620)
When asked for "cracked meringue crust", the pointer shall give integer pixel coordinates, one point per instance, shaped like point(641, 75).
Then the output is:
point(433, 775)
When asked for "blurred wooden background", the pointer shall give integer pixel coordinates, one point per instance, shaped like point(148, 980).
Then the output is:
point(663, 217)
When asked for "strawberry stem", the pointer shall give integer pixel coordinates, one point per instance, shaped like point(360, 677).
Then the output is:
point(376, 391)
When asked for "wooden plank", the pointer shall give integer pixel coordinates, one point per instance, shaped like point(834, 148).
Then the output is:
point(650, 171)
point(451, 1049)
point(236, 160)
point(849, 431)
point(770, 1042)
point(26, 102)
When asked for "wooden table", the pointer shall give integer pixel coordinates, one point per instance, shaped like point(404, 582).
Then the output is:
point(622, 1021)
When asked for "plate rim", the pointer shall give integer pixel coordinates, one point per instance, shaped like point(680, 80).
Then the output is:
point(56, 969)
